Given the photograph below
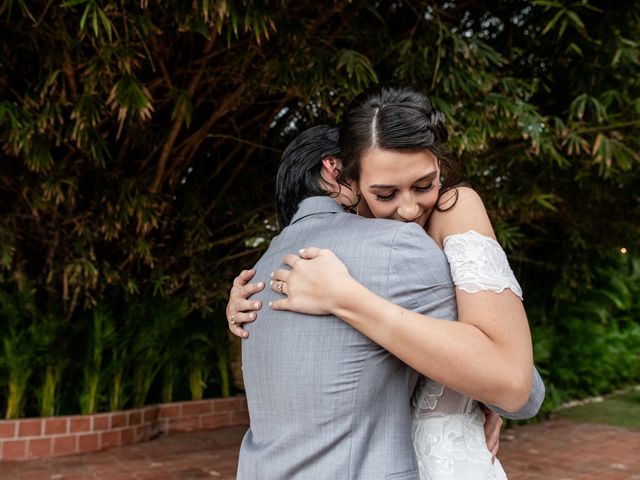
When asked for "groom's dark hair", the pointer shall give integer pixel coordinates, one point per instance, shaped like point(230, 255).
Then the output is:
point(300, 172)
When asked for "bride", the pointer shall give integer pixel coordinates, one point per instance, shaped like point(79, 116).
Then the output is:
point(392, 142)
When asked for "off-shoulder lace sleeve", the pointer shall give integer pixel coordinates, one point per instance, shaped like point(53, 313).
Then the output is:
point(478, 262)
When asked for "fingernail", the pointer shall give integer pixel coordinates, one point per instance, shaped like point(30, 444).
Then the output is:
point(252, 316)
point(271, 282)
point(260, 284)
point(245, 335)
point(271, 274)
point(301, 251)
point(257, 304)
point(270, 303)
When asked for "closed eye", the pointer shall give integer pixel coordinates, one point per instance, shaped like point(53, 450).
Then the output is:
point(385, 198)
point(425, 188)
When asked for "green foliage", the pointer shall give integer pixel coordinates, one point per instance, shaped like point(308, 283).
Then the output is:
point(149, 327)
point(51, 339)
point(100, 338)
point(33, 346)
point(18, 352)
point(589, 346)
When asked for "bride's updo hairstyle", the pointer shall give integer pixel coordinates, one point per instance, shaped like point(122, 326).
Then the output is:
point(395, 118)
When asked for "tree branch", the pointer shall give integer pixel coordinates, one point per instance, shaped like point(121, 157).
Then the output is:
point(167, 147)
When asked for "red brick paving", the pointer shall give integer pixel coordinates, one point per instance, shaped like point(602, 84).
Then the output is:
point(553, 450)
point(565, 450)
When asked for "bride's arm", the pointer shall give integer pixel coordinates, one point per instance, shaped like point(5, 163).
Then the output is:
point(486, 355)
point(451, 222)
point(466, 213)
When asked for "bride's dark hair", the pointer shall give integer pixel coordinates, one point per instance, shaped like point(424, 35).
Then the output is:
point(399, 118)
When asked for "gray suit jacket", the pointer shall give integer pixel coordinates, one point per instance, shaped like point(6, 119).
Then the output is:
point(324, 401)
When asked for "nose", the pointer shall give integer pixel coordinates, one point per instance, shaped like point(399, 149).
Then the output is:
point(409, 210)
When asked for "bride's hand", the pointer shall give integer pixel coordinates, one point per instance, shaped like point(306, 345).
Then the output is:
point(239, 308)
point(316, 284)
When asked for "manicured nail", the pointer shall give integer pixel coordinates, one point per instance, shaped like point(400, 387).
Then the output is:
point(270, 303)
point(301, 251)
point(260, 284)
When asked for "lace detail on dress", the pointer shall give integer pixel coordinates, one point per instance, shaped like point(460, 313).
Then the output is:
point(448, 436)
point(479, 263)
point(427, 398)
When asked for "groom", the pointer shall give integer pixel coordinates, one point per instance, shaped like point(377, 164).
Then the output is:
point(324, 401)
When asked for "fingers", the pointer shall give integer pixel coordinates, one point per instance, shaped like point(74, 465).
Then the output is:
point(244, 311)
point(290, 260)
point(305, 254)
point(492, 425)
point(283, 304)
point(309, 253)
point(281, 275)
point(238, 331)
point(494, 452)
point(243, 290)
point(279, 280)
point(239, 309)
point(245, 307)
point(247, 290)
point(243, 278)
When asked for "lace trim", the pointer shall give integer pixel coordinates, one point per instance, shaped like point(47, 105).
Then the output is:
point(478, 263)
point(426, 394)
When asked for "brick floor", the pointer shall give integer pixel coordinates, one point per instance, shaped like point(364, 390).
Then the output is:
point(553, 450)
point(566, 450)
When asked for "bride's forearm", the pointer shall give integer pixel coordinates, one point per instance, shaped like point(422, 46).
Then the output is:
point(457, 354)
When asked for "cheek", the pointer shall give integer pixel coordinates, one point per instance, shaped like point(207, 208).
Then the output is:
point(377, 208)
point(429, 201)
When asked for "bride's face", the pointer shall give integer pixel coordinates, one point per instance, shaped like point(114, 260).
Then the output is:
point(399, 185)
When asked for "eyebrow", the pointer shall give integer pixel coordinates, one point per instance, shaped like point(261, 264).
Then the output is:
point(428, 176)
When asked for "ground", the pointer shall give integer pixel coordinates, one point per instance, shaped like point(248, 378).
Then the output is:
point(557, 449)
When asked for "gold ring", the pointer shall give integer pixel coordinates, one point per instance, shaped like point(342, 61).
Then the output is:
point(280, 286)
point(232, 320)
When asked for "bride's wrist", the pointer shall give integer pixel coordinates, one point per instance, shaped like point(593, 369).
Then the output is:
point(348, 291)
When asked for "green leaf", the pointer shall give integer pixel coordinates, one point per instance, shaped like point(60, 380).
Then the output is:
point(73, 3)
point(553, 21)
point(575, 18)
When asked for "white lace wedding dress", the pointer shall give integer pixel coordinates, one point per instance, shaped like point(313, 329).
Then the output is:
point(448, 427)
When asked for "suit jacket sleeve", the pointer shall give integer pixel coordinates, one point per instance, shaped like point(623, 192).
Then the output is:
point(532, 406)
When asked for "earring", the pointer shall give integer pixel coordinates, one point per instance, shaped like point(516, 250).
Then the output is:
point(358, 205)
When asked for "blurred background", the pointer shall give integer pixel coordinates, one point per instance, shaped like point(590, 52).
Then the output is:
point(140, 142)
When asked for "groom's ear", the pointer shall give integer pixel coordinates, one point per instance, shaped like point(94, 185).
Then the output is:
point(331, 168)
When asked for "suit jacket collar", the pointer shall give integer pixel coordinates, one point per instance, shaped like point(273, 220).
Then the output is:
point(315, 205)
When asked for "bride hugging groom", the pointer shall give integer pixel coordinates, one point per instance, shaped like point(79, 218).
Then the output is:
point(392, 316)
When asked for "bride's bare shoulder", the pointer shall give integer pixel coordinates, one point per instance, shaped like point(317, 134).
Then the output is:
point(459, 210)
point(452, 197)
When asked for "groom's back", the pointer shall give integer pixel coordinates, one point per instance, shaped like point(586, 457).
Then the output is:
point(324, 401)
